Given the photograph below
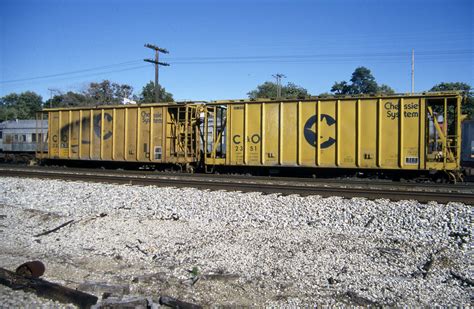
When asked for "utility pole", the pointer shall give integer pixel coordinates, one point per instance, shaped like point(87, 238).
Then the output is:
point(413, 71)
point(51, 90)
point(157, 64)
point(278, 78)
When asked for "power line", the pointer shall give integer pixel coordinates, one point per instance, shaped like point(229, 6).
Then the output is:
point(311, 56)
point(70, 72)
point(87, 75)
point(326, 61)
point(426, 56)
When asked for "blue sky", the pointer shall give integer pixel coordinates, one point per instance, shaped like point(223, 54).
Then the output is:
point(223, 49)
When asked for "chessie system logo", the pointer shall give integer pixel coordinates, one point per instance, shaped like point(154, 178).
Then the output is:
point(310, 131)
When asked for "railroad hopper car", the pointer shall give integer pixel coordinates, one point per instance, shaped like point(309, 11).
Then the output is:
point(363, 133)
point(19, 138)
point(418, 133)
point(144, 134)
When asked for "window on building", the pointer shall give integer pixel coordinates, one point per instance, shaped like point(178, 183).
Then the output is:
point(33, 138)
point(1, 134)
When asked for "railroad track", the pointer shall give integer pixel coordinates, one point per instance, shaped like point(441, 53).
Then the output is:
point(463, 193)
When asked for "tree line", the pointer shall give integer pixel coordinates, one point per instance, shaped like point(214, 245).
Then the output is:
point(362, 82)
point(26, 104)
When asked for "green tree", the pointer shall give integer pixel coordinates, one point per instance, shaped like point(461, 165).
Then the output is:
point(341, 88)
point(451, 86)
point(148, 94)
point(96, 93)
point(122, 91)
point(325, 95)
point(265, 90)
point(68, 99)
point(20, 106)
point(106, 92)
point(385, 89)
point(362, 81)
point(269, 90)
point(100, 93)
point(468, 106)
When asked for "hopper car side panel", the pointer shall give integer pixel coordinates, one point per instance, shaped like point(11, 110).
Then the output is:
point(355, 133)
point(146, 134)
point(285, 134)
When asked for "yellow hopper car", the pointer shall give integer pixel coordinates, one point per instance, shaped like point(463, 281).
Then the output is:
point(418, 133)
point(141, 134)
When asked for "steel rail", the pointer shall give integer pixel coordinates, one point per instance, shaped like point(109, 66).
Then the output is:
point(237, 177)
point(268, 186)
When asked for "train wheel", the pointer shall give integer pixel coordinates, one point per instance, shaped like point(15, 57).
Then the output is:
point(440, 177)
point(189, 168)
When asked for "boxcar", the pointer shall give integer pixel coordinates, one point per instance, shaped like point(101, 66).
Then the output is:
point(145, 134)
point(420, 132)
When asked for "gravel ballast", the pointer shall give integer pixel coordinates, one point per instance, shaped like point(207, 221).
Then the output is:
point(232, 248)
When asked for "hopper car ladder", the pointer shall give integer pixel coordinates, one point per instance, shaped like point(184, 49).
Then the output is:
point(443, 137)
point(184, 143)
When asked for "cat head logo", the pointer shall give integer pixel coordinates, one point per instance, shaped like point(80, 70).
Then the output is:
point(310, 129)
